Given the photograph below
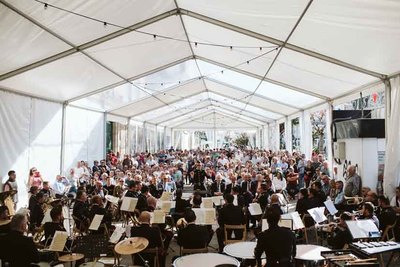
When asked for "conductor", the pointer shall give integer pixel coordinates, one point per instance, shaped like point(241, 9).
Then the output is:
point(282, 250)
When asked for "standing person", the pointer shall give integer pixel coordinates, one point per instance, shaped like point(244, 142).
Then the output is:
point(301, 166)
point(11, 185)
point(281, 251)
point(35, 179)
point(352, 186)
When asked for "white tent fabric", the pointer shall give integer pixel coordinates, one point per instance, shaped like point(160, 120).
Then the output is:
point(30, 137)
point(392, 157)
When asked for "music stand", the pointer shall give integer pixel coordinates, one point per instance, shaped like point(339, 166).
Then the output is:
point(92, 246)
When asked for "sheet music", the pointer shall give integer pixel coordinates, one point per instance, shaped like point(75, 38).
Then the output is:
point(59, 240)
point(186, 195)
point(330, 207)
point(217, 200)
point(47, 217)
point(207, 203)
point(264, 225)
point(235, 200)
point(166, 196)
point(295, 217)
point(205, 216)
point(288, 223)
point(166, 206)
point(157, 217)
point(117, 234)
point(362, 228)
point(318, 214)
point(255, 209)
point(129, 204)
point(209, 216)
point(95, 224)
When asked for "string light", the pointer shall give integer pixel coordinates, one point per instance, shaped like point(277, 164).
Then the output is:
point(164, 37)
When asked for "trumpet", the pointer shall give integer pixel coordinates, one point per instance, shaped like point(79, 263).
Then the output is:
point(353, 200)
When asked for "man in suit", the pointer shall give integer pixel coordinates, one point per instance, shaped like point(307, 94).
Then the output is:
point(192, 236)
point(153, 235)
point(234, 183)
point(281, 251)
point(81, 210)
point(218, 186)
point(17, 249)
point(231, 215)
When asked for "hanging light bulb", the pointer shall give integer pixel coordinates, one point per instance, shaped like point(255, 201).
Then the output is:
point(105, 24)
point(154, 36)
point(195, 44)
point(45, 5)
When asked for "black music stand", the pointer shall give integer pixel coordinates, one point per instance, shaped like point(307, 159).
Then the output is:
point(92, 246)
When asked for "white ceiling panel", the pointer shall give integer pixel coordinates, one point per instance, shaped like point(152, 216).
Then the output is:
point(63, 79)
point(274, 18)
point(79, 30)
point(22, 42)
point(316, 75)
point(135, 53)
point(365, 33)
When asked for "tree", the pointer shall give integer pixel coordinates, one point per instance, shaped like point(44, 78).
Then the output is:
point(242, 141)
point(318, 122)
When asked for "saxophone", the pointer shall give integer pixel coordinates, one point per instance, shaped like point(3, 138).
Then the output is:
point(38, 236)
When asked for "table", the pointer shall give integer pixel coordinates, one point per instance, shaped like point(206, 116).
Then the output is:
point(205, 260)
point(310, 252)
point(242, 250)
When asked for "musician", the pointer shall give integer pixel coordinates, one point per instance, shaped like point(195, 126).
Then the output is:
point(302, 204)
point(56, 224)
point(231, 215)
point(4, 220)
point(192, 236)
point(241, 201)
point(367, 212)
point(256, 188)
point(119, 188)
point(275, 204)
point(281, 251)
point(352, 185)
point(10, 185)
point(98, 208)
point(340, 235)
point(386, 214)
point(133, 191)
point(318, 193)
point(18, 250)
point(46, 190)
point(32, 200)
point(199, 177)
point(263, 197)
point(180, 205)
point(218, 186)
point(100, 190)
point(152, 234)
point(151, 200)
point(37, 213)
point(81, 210)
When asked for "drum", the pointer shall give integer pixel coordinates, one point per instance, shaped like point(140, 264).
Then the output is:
point(206, 260)
point(92, 264)
point(242, 250)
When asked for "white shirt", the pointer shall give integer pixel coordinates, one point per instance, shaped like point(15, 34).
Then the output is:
point(279, 184)
point(59, 187)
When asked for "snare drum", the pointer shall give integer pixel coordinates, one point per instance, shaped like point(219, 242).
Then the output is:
point(92, 264)
point(206, 260)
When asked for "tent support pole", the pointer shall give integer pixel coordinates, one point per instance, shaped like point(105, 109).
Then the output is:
point(62, 150)
point(388, 106)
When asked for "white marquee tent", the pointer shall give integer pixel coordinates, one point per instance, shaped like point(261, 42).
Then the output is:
point(160, 65)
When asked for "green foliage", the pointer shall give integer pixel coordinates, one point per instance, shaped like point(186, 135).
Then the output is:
point(242, 141)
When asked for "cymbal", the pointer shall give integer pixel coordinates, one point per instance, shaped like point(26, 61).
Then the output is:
point(112, 199)
point(71, 257)
point(131, 245)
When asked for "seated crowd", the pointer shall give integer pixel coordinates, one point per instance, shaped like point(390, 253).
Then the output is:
point(271, 179)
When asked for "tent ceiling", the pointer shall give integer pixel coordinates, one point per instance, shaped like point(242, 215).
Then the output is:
point(337, 47)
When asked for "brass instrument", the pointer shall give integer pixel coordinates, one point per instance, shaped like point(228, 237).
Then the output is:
point(353, 200)
point(38, 236)
point(9, 203)
point(181, 223)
